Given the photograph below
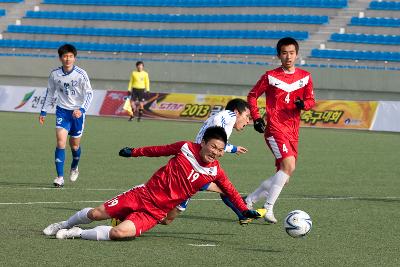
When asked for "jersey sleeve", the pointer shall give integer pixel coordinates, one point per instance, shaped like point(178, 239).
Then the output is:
point(230, 191)
point(254, 94)
point(51, 89)
point(158, 151)
point(88, 91)
point(226, 119)
point(147, 82)
point(130, 82)
point(308, 97)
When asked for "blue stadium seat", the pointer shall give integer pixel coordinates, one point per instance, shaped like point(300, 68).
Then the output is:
point(375, 22)
point(357, 55)
point(184, 18)
point(2, 12)
point(136, 48)
point(384, 5)
point(11, 1)
point(208, 3)
point(366, 38)
point(232, 34)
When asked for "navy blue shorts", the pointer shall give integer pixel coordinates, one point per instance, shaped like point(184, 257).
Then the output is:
point(73, 125)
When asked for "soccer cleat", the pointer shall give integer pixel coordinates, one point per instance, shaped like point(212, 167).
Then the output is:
point(131, 118)
point(69, 233)
point(73, 175)
point(58, 182)
point(262, 212)
point(52, 229)
point(246, 221)
point(269, 217)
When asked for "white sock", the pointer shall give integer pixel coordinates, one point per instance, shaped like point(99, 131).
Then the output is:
point(99, 233)
point(261, 191)
point(279, 180)
point(78, 218)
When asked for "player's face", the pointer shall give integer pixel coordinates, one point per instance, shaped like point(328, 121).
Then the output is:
point(212, 150)
point(242, 119)
point(67, 60)
point(288, 56)
point(139, 67)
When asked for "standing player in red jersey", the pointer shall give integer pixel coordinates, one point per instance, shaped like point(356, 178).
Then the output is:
point(288, 90)
point(143, 207)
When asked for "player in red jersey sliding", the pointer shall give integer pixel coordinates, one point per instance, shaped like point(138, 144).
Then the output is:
point(288, 90)
point(144, 206)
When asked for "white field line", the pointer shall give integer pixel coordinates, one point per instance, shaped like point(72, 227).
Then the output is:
point(202, 245)
point(200, 199)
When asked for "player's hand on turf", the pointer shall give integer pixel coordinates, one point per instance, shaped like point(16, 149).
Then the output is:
point(241, 150)
point(77, 114)
point(299, 103)
point(259, 125)
point(251, 214)
point(41, 119)
point(126, 152)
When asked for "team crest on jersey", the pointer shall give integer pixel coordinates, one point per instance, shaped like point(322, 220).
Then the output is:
point(301, 83)
point(66, 86)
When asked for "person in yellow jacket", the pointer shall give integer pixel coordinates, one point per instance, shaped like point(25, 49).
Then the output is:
point(139, 84)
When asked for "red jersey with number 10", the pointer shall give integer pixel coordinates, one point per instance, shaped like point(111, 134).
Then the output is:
point(281, 90)
point(183, 175)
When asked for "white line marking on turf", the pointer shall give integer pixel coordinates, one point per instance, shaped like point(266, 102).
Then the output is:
point(202, 245)
point(203, 199)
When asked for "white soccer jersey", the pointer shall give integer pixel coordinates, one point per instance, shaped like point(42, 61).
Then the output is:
point(225, 119)
point(73, 89)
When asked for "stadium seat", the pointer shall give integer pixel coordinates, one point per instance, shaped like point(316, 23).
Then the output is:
point(384, 5)
point(375, 22)
point(232, 34)
point(366, 38)
point(356, 55)
point(208, 3)
point(182, 18)
point(139, 48)
point(2, 12)
point(11, 1)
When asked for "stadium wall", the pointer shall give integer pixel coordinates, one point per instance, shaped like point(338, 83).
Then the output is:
point(204, 78)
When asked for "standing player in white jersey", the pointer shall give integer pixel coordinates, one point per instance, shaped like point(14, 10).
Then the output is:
point(236, 115)
point(74, 95)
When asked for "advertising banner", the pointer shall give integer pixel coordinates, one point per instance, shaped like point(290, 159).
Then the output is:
point(340, 114)
point(192, 107)
point(387, 117)
point(31, 99)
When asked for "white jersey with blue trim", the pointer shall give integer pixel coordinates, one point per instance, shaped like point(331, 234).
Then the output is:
point(73, 89)
point(225, 119)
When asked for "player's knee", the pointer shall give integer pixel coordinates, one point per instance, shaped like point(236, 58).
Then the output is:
point(75, 147)
point(95, 214)
point(118, 233)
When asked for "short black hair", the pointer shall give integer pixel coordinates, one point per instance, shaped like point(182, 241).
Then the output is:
point(286, 41)
point(139, 63)
point(215, 132)
point(238, 104)
point(67, 48)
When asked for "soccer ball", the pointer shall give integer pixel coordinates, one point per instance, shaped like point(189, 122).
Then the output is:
point(297, 223)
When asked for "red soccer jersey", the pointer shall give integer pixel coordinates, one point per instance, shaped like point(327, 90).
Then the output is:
point(281, 91)
point(184, 175)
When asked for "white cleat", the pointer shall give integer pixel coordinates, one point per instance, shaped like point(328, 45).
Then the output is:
point(52, 229)
point(58, 182)
point(69, 233)
point(73, 175)
point(269, 217)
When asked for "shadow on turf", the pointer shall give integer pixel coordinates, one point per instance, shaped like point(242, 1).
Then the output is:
point(202, 218)
point(372, 199)
point(30, 184)
point(178, 235)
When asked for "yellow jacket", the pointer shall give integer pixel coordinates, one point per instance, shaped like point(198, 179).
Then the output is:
point(139, 80)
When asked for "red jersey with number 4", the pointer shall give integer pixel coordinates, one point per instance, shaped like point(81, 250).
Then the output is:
point(184, 175)
point(281, 90)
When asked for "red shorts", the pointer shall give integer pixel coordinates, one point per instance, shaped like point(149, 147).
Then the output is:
point(134, 205)
point(281, 147)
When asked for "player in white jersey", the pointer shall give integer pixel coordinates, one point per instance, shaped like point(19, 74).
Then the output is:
point(71, 85)
point(235, 116)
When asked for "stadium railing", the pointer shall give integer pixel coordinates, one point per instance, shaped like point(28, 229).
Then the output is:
point(219, 34)
point(356, 55)
point(366, 38)
point(179, 18)
point(139, 48)
point(375, 22)
point(208, 3)
point(384, 5)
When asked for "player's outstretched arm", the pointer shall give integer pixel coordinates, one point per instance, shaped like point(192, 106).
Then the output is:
point(152, 151)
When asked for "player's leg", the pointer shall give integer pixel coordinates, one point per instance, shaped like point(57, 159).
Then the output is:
point(141, 104)
point(133, 104)
point(171, 215)
point(76, 132)
point(59, 156)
